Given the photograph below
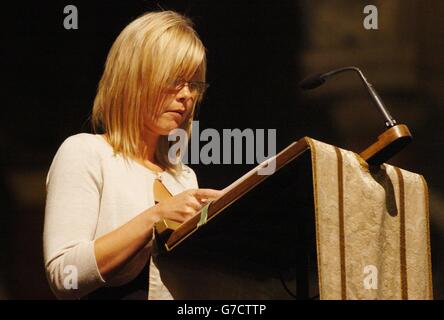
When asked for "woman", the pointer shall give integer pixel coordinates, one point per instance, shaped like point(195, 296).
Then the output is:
point(106, 191)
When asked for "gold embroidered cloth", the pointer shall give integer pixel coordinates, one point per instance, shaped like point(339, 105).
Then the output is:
point(372, 228)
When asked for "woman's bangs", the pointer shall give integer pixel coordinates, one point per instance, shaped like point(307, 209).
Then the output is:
point(189, 59)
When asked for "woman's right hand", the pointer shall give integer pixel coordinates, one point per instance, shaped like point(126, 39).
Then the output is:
point(183, 206)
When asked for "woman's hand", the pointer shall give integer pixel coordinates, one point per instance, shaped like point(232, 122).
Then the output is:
point(183, 206)
point(114, 249)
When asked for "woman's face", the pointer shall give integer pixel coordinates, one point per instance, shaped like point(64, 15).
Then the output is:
point(177, 107)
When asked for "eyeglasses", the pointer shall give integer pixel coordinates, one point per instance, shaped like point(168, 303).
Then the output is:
point(195, 87)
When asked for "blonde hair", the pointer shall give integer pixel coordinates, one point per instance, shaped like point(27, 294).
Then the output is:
point(150, 51)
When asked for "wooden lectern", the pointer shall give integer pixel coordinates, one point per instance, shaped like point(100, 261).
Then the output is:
point(269, 241)
point(259, 239)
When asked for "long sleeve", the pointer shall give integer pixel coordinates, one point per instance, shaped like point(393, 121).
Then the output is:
point(71, 215)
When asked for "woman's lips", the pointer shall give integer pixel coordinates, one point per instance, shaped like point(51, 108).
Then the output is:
point(181, 112)
point(176, 113)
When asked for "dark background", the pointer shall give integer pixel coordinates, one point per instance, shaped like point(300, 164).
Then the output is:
point(257, 53)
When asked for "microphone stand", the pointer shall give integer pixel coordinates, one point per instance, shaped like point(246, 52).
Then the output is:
point(391, 141)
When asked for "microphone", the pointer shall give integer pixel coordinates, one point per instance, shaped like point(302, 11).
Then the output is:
point(317, 80)
point(312, 81)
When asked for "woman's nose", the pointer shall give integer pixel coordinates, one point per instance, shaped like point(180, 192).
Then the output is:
point(184, 94)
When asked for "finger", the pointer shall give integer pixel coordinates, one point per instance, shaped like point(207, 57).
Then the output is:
point(194, 203)
point(184, 215)
point(205, 194)
point(189, 214)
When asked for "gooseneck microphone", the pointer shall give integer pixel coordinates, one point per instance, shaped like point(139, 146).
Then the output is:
point(316, 80)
